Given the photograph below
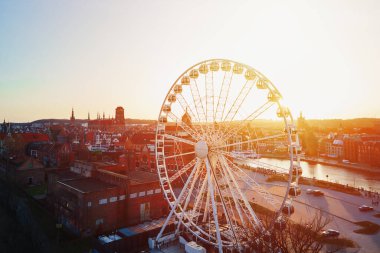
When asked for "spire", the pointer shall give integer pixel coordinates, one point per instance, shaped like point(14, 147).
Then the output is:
point(88, 116)
point(186, 118)
point(72, 118)
point(104, 116)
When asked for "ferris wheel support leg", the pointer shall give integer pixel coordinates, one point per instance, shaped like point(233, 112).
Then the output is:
point(174, 206)
point(214, 210)
point(157, 239)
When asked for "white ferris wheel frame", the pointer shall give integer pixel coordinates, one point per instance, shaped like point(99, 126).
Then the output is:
point(178, 204)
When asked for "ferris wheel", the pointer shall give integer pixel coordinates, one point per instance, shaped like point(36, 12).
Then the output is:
point(211, 168)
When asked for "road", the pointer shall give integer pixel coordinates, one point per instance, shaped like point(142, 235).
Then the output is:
point(343, 209)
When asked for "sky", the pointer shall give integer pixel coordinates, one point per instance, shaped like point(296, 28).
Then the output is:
point(95, 55)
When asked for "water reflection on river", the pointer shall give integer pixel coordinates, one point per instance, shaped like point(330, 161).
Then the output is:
point(369, 181)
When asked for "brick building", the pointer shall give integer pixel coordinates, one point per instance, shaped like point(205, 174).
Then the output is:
point(363, 149)
point(89, 205)
point(94, 197)
point(30, 172)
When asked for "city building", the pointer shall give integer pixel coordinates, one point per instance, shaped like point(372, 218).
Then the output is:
point(96, 197)
point(119, 116)
point(363, 149)
point(110, 124)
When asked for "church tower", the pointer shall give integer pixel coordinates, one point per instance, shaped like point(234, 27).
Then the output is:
point(72, 118)
point(186, 118)
point(119, 116)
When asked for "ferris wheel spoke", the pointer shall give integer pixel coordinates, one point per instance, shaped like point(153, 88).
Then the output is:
point(214, 208)
point(209, 87)
point(185, 188)
point(270, 166)
point(179, 163)
point(244, 177)
point(183, 170)
point(223, 95)
point(199, 196)
point(195, 214)
point(197, 101)
point(255, 161)
point(224, 206)
point(185, 106)
point(190, 191)
point(250, 141)
point(234, 129)
point(239, 100)
point(178, 155)
point(173, 204)
point(254, 220)
point(184, 126)
point(179, 139)
point(232, 185)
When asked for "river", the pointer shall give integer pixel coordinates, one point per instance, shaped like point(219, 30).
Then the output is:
point(367, 180)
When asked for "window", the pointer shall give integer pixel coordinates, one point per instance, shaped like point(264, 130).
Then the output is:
point(133, 195)
point(102, 201)
point(99, 221)
point(113, 199)
point(157, 190)
point(150, 192)
point(141, 194)
point(89, 204)
point(122, 197)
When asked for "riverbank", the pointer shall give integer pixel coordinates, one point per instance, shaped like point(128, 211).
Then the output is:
point(319, 183)
point(329, 162)
point(281, 177)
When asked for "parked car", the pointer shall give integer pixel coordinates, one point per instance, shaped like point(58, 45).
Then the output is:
point(365, 208)
point(330, 233)
point(318, 193)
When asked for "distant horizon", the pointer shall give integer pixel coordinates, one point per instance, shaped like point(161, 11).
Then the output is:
point(150, 119)
point(323, 56)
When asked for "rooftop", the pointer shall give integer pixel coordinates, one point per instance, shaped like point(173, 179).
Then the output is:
point(64, 174)
point(86, 185)
point(139, 176)
point(143, 138)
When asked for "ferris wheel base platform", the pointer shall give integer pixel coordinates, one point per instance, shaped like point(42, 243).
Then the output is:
point(166, 242)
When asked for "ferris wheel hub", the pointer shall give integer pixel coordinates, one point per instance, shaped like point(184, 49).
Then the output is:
point(201, 149)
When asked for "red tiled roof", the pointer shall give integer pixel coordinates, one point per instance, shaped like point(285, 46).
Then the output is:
point(33, 137)
point(143, 138)
point(90, 136)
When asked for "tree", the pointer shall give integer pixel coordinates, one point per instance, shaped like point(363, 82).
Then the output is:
point(309, 142)
point(301, 237)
